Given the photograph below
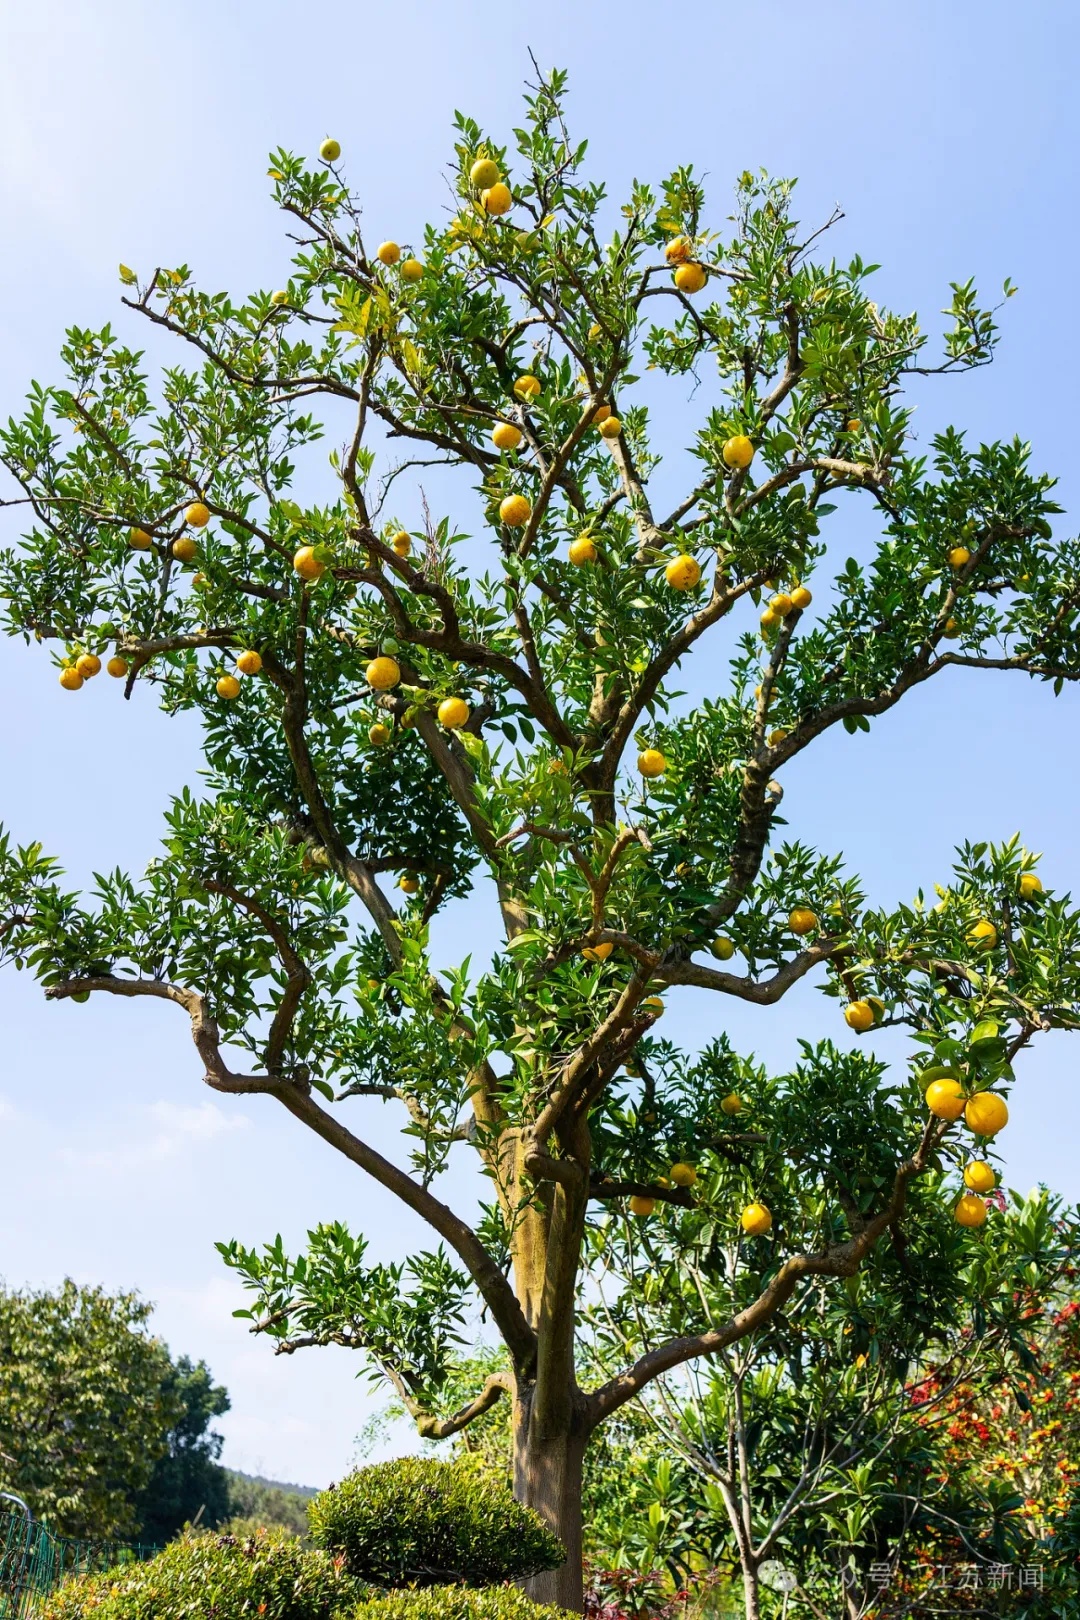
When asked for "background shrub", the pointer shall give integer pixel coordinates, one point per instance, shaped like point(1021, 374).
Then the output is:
point(456, 1603)
point(415, 1521)
point(214, 1577)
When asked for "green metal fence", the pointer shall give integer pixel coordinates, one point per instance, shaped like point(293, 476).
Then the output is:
point(33, 1562)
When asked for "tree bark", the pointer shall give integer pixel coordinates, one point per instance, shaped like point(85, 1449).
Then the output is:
point(547, 1478)
point(751, 1592)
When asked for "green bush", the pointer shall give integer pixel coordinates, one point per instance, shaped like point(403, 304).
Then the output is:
point(415, 1521)
point(456, 1603)
point(214, 1577)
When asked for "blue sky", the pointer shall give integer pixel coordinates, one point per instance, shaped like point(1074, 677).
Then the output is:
point(139, 132)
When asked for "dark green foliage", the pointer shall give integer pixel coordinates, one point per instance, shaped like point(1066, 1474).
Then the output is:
point(188, 1484)
point(85, 1406)
point(214, 1577)
point(457, 1603)
point(418, 1521)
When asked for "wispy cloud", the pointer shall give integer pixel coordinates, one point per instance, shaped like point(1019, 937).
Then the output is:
point(171, 1129)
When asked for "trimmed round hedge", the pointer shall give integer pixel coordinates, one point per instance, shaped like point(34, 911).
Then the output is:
point(418, 1522)
point(457, 1603)
point(213, 1577)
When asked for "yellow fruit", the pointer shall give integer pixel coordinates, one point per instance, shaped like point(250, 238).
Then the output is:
point(401, 543)
point(640, 1205)
point(408, 883)
point(228, 687)
point(453, 713)
point(197, 515)
point(138, 540)
point(945, 1099)
point(980, 1176)
point(683, 1175)
point(859, 1016)
point(601, 414)
point(411, 270)
point(527, 387)
point(515, 511)
point(691, 277)
point(678, 250)
point(594, 332)
point(378, 734)
point(986, 1113)
point(70, 679)
point(731, 1104)
point(738, 452)
point(330, 151)
point(484, 174)
point(952, 629)
point(388, 253)
point(651, 762)
point(983, 934)
point(1030, 885)
point(775, 738)
point(382, 674)
point(781, 605)
point(598, 953)
point(756, 1219)
point(279, 297)
point(505, 436)
point(88, 665)
point(185, 549)
point(610, 427)
point(723, 948)
point(801, 597)
point(307, 565)
point(970, 1211)
point(249, 662)
point(654, 1006)
point(496, 199)
point(582, 550)
point(802, 920)
point(853, 425)
point(118, 667)
point(682, 573)
point(959, 557)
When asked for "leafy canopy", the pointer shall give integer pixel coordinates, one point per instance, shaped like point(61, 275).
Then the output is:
point(179, 524)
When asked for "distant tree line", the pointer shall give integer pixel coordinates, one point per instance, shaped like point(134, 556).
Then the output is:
point(106, 1436)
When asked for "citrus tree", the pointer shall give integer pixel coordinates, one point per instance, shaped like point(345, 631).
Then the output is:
point(391, 709)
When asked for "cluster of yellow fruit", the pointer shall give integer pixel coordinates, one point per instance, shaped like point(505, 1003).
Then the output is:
point(248, 662)
point(184, 548)
point(690, 275)
point(495, 196)
point(389, 254)
point(783, 603)
point(680, 1175)
point(985, 1114)
point(85, 667)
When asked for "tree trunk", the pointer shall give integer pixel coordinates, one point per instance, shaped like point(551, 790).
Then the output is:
point(547, 1477)
point(751, 1592)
